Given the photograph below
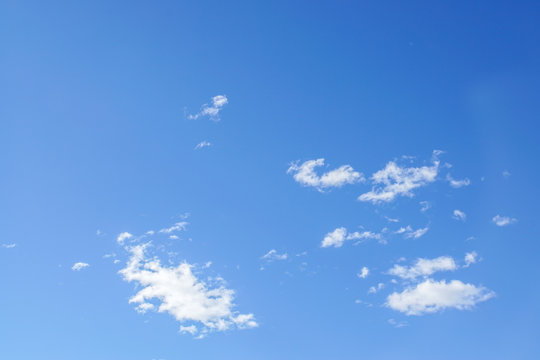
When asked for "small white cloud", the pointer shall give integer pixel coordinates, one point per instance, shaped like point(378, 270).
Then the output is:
point(459, 215)
point(375, 289)
point(9, 246)
point(397, 324)
point(457, 183)
point(192, 329)
point(273, 255)
point(503, 220)
point(506, 174)
point(79, 266)
point(363, 273)
point(424, 267)
point(337, 237)
point(305, 174)
point(123, 237)
point(431, 296)
point(471, 258)
point(179, 226)
point(174, 237)
point(212, 111)
point(425, 206)
point(410, 233)
point(393, 181)
point(391, 219)
point(202, 144)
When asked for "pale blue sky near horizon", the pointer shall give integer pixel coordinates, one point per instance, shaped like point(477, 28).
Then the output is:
point(99, 136)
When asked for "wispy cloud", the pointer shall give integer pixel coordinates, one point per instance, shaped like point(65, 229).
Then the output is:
point(305, 174)
point(9, 246)
point(202, 144)
point(503, 220)
point(409, 233)
point(211, 110)
point(394, 180)
point(457, 183)
point(363, 273)
point(470, 258)
point(179, 226)
point(273, 255)
point(79, 266)
point(432, 296)
point(337, 237)
point(459, 215)
point(123, 237)
point(376, 289)
point(199, 307)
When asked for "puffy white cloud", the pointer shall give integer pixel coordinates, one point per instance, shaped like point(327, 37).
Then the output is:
point(273, 255)
point(410, 233)
point(202, 144)
point(503, 220)
point(179, 226)
point(457, 183)
point(431, 296)
point(363, 273)
point(211, 110)
point(305, 174)
point(9, 246)
point(79, 266)
point(471, 258)
point(459, 215)
point(424, 267)
point(337, 237)
point(393, 181)
point(123, 237)
point(177, 290)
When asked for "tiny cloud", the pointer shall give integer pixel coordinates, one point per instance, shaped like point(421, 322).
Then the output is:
point(203, 144)
point(503, 220)
point(459, 215)
point(273, 255)
point(79, 266)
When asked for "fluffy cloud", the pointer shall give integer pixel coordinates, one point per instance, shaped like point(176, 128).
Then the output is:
point(203, 144)
point(363, 273)
point(305, 174)
point(393, 181)
point(431, 296)
point(471, 258)
point(79, 266)
point(337, 237)
point(199, 307)
point(273, 255)
point(424, 267)
point(212, 111)
point(123, 237)
point(457, 183)
point(459, 215)
point(503, 220)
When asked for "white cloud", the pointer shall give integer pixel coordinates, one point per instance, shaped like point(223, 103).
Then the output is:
point(503, 220)
point(9, 246)
point(506, 174)
point(471, 258)
point(273, 255)
point(212, 111)
point(397, 324)
point(363, 273)
point(410, 233)
point(393, 181)
point(337, 237)
point(177, 291)
point(179, 226)
point(174, 237)
point(123, 237)
point(459, 215)
point(425, 206)
point(431, 296)
point(79, 266)
point(305, 175)
point(375, 289)
point(424, 267)
point(203, 144)
point(457, 183)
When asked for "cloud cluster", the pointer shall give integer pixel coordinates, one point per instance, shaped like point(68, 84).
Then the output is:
point(425, 295)
point(394, 180)
point(211, 110)
point(503, 220)
point(305, 174)
point(199, 307)
point(409, 233)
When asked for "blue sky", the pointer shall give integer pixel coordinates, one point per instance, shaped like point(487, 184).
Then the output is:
point(249, 180)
